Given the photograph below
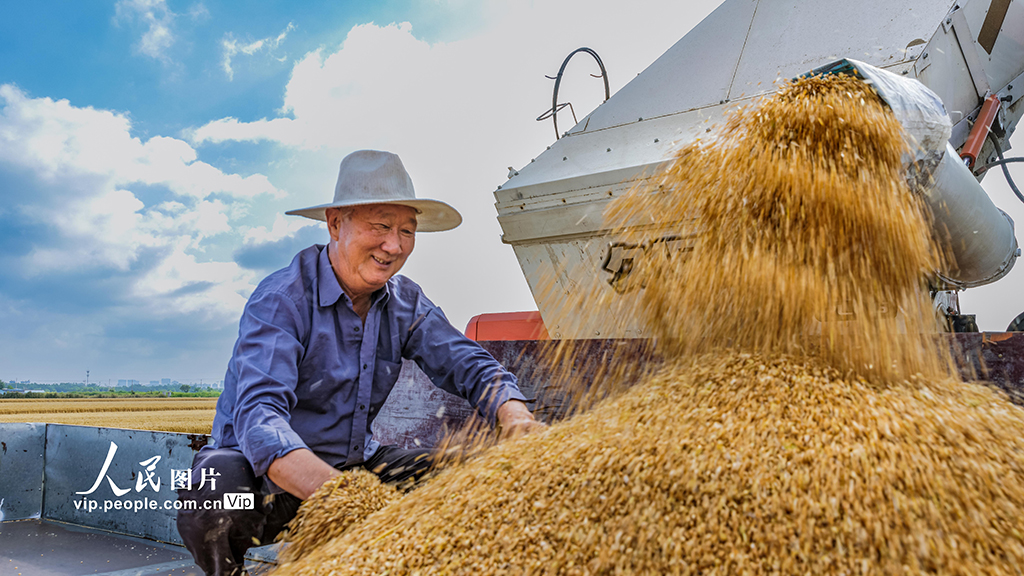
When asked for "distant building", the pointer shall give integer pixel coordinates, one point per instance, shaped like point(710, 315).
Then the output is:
point(165, 381)
point(122, 382)
point(154, 382)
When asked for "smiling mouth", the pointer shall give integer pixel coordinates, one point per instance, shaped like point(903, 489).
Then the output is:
point(379, 261)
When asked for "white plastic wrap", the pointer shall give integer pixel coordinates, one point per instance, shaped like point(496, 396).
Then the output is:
point(978, 236)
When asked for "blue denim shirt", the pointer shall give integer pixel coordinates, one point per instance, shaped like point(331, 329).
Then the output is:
point(307, 373)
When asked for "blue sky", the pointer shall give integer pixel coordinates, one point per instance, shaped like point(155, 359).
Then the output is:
point(148, 150)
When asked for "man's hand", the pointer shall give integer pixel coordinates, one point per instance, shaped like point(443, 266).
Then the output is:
point(515, 420)
point(300, 472)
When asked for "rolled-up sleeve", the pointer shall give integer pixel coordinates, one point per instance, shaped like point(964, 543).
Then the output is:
point(459, 365)
point(266, 360)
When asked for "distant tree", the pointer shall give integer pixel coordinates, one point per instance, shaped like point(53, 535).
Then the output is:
point(185, 388)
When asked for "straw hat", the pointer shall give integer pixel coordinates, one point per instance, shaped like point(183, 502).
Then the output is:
point(375, 177)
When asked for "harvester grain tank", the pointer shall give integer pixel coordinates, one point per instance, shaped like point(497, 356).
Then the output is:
point(965, 53)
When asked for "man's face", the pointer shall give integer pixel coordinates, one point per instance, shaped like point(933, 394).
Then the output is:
point(369, 244)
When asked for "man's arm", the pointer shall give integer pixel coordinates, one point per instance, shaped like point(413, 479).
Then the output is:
point(300, 472)
point(265, 365)
point(461, 366)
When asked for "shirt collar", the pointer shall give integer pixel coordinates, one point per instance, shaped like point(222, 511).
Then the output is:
point(330, 289)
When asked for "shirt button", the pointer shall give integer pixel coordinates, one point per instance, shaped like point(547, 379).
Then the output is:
point(362, 407)
point(358, 447)
point(357, 328)
point(364, 366)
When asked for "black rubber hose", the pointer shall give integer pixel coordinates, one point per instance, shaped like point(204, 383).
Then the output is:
point(1002, 162)
point(1006, 161)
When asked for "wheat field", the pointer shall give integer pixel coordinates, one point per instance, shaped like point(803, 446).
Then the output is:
point(189, 415)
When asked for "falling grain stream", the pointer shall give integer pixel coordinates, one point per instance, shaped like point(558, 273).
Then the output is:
point(797, 425)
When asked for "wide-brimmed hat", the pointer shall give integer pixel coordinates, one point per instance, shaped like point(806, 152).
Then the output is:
point(375, 177)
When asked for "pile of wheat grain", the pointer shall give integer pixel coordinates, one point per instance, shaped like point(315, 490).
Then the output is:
point(797, 426)
point(340, 503)
point(733, 464)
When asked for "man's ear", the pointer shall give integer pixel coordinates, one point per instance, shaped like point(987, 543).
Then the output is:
point(334, 217)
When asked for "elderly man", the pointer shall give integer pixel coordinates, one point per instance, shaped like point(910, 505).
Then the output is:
point(320, 346)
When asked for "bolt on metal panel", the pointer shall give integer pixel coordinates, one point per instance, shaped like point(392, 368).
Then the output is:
point(21, 470)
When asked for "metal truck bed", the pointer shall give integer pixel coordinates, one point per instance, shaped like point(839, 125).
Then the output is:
point(46, 548)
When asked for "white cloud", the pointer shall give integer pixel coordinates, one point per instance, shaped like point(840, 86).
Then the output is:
point(280, 130)
point(232, 47)
point(198, 12)
point(283, 227)
point(86, 164)
point(52, 138)
point(158, 20)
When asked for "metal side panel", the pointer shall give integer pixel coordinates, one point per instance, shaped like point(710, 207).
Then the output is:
point(996, 357)
point(694, 73)
point(1007, 58)
point(552, 385)
point(418, 414)
point(85, 465)
point(789, 38)
point(22, 448)
point(943, 69)
point(620, 153)
point(418, 411)
point(559, 272)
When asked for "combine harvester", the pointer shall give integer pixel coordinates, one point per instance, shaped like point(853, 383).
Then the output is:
point(81, 500)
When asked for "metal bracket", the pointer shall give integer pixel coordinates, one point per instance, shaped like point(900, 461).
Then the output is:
point(1014, 89)
point(946, 302)
point(198, 441)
